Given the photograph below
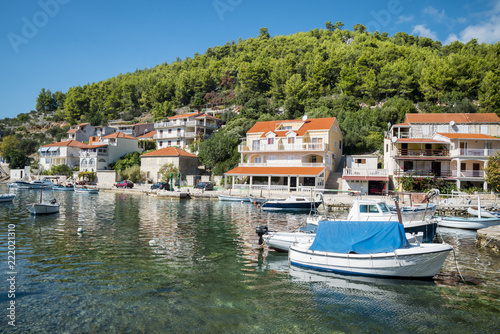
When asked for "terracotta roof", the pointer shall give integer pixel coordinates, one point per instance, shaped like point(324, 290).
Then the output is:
point(118, 135)
point(83, 124)
point(292, 171)
point(169, 152)
point(149, 134)
point(72, 143)
point(308, 125)
point(186, 115)
point(447, 118)
point(94, 146)
point(467, 136)
point(72, 131)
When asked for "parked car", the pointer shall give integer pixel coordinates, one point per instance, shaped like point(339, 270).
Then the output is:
point(161, 186)
point(124, 184)
point(205, 185)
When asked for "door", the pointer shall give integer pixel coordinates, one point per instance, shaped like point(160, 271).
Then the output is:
point(463, 148)
point(408, 166)
point(404, 149)
point(475, 170)
point(436, 168)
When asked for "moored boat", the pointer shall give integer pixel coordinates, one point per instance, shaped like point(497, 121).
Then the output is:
point(231, 198)
point(476, 211)
point(292, 203)
point(44, 208)
point(7, 198)
point(472, 223)
point(38, 184)
point(86, 191)
point(368, 248)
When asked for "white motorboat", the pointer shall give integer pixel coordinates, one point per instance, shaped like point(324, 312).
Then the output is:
point(476, 211)
point(86, 190)
point(19, 185)
point(468, 223)
point(377, 249)
point(292, 203)
point(38, 184)
point(7, 198)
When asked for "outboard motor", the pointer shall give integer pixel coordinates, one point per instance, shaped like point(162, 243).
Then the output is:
point(261, 230)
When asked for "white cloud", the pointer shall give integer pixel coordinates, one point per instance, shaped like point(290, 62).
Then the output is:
point(422, 31)
point(403, 19)
point(486, 32)
point(438, 16)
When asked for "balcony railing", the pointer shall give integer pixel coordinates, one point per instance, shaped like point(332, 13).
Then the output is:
point(291, 163)
point(477, 152)
point(468, 173)
point(174, 134)
point(423, 172)
point(364, 172)
point(423, 153)
point(283, 147)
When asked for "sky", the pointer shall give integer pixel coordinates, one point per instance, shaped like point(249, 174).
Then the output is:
point(58, 44)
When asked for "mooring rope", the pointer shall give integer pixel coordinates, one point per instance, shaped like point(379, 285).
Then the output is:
point(456, 264)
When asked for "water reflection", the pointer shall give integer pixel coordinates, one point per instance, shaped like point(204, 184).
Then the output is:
point(158, 265)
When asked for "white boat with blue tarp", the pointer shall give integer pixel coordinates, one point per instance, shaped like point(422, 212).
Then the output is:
point(368, 248)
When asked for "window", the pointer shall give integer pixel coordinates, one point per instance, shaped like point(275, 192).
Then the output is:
point(271, 158)
point(169, 143)
point(169, 130)
point(313, 159)
point(360, 161)
point(484, 129)
point(291, 140)
point(257, 160)
point(161, 143)
point(270, 141)
point(178, 143)
point(256, 145)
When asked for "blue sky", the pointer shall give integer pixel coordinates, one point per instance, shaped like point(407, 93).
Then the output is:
point(58, 44)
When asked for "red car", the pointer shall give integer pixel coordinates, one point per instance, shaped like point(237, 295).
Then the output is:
point(124, 184)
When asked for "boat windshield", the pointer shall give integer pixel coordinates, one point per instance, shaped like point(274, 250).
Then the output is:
point(384, 207)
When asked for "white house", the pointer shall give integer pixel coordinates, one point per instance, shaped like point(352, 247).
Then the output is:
point(152, 162)
point(362, 173)
point(61, 153)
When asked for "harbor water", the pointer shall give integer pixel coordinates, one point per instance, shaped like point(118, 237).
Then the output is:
point(144, 264)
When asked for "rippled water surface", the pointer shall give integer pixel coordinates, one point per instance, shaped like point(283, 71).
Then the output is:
point(145, 264)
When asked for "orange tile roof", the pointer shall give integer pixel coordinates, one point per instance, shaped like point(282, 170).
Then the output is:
point(467, 136)
point(72, 143)
point(118, 135)
point(169, 152)
point(447, 118)
point(292, 171)
point(186, 115)
point(309, 125)
point(94, 146)
point(83, 124)
point(72, 131)
point(149, 134)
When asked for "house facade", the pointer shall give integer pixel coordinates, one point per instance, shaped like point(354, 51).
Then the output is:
point(61, 153)
point(81, 132)
point(152, 162)
point(289, 154)
point(364, 175)
point(133, 130)
point(105, 150)
point(454, 147)
point(183, 130)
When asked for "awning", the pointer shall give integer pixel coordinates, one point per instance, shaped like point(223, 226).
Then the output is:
point(276, 171)
point(420, 140)
point(43, 149)
point(53, 149)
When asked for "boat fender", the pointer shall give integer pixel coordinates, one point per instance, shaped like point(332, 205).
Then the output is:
point(261, 230)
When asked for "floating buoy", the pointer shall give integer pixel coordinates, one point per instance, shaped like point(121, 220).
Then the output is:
point(258, 206)
point(152, 242)
point(80, 230)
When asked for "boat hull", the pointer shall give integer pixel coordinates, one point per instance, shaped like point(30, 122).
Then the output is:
point(468, 223)
point(276, 205)
point(43, 208)
point(233, 198)
point(87, 191)
point(7, 198)
point(484, 213)
point(63, 188)
point(417, 261)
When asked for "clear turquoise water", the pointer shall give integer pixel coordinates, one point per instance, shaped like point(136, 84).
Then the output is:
point(151, 265)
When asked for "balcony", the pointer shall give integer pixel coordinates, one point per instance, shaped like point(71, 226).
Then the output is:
point(423, 153)
point(468, 173)
point(468, 152)
point(293, 163)
point(365, 172)
point(283, 148)
point(424, 173)
point(166, 135)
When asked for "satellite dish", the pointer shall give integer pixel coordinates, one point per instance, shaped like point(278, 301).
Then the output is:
point(394, 139)
point(304, 118)
point(452, 123)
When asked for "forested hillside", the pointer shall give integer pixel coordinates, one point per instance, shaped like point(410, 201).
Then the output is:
point(323, 72)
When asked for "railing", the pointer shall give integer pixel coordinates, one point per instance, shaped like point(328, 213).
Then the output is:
point(169, 135)
point(49, 155)
point(291, 163)
point(170, 123)
point(422, 153)
point(423, 172)
point(283, 147)
point(476, 152)
point(364, 172)
point(468, 173)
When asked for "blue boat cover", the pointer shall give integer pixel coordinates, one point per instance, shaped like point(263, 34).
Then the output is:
point(361, 237)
